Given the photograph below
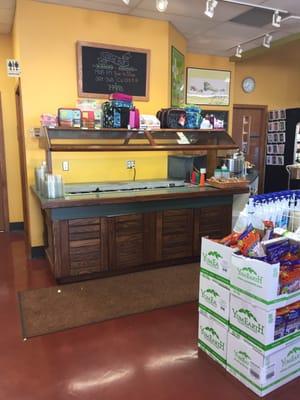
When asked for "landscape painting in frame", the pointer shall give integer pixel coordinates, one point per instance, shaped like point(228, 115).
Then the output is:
point(208, 87)
point(177, 78)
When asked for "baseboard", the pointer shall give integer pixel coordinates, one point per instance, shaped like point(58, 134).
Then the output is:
point(38, 252)
point(16, 226)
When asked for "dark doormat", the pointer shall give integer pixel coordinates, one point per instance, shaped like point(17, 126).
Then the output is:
point(58, 308)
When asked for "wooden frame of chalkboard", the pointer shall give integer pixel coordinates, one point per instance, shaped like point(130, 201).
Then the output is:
point(104, 69)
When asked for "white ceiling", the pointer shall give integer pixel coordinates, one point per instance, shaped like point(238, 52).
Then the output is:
point(215, 36)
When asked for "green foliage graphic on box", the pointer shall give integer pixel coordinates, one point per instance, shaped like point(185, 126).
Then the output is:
point(247, 319)
point(212, 259)
point(242, 358)
point(291, 359)
point(210, 296)
point(249, 275)
point(213, 338)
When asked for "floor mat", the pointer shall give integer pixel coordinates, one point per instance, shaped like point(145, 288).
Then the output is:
point(57, 308)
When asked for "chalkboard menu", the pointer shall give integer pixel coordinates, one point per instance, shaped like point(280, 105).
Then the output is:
point(103, 70)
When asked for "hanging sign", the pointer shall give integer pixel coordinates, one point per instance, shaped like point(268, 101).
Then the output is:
point(13, 68)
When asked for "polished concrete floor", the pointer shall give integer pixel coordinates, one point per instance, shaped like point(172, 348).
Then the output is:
point(147, 356)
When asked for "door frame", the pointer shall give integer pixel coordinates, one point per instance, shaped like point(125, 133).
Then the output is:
point(23, 167)
point(264, 128)
point(3, 177)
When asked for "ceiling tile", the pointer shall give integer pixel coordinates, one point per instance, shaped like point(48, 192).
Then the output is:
point(5, 28)
point(116, 6)
point(292, 6)
point(7, 4)
point(238, 32)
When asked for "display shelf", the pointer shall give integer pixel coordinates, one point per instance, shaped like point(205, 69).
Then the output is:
point(99, 140)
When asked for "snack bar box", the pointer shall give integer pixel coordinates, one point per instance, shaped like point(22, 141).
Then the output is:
point(260, 373)
point(212, 338)
point(214, 298)
point(216, 260)
point(258, 282)
point(257, 326)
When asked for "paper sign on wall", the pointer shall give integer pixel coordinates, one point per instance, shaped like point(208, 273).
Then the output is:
point(13, 68)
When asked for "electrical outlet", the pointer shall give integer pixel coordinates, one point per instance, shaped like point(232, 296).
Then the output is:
point(65, 165)
point(130, 164)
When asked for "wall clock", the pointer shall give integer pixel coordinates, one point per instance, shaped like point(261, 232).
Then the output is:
point(248, 85)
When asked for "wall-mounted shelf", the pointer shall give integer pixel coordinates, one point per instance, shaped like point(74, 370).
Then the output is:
point(86, 140)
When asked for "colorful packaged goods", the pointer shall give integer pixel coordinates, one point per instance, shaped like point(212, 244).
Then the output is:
point(69, 117)
point(287, 320)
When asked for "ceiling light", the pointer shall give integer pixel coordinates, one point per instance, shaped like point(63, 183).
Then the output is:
point(267, 40)
point(239, 51)
point(210, 8)
point(161, 5)
point(276, 19)
point(126, 2)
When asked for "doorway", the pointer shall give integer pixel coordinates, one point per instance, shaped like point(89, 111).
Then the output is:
point(4, 219)
point(249, 131)
point(23, 167)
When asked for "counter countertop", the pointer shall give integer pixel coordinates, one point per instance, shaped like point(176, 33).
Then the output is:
point(132, 196)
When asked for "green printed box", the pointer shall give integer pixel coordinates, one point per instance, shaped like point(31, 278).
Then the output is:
point(256, 325)
point(214, 298)
point(216, 260)
point(259, 372)
point(258, 282)
point(212, 338)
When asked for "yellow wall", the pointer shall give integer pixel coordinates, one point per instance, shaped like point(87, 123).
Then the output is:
point(45, 37)
point(7, 88)
point(276, 73)
point(213, 62)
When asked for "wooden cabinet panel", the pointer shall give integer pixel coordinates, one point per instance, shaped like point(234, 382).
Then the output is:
point(131, 240)
point(214, 222)
point(176, 234)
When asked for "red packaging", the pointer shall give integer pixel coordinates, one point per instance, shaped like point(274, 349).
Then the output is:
point(88, 119)
point(134, 118)
point(120, 96)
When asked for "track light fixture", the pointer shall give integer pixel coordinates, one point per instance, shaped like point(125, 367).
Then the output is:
point(239, 51)
point(126, 2)
point(267, 40)
point(210, 8)
point(276, 21)
point(161, 5)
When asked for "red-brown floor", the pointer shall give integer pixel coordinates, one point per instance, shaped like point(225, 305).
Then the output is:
point(147, 356)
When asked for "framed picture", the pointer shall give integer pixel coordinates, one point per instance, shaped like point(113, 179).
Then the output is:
point(208, 87)
point(104, 69)
point(177, 78)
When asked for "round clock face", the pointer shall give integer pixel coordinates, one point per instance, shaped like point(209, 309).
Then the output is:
point(248, 85)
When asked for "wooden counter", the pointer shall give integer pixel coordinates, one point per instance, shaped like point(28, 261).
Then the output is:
point(101, 234)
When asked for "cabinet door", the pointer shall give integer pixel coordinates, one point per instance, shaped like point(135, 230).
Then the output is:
point(176, 233)
point(214, 222)
point(132, 240)
point(84, 245)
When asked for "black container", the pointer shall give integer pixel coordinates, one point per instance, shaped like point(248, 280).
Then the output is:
point(181, 167)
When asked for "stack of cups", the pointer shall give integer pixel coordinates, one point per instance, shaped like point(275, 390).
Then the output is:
point(53, 187)
point(40, 176)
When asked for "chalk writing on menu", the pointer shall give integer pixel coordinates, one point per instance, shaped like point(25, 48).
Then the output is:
point(104, 70)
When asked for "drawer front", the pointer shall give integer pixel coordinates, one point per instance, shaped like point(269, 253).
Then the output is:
point(177, 234)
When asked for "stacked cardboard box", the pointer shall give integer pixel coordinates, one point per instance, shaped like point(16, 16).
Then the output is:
point(238, 299)
point(214, 300)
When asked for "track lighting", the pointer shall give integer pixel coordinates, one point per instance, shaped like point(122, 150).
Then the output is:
point(276, 19)
point(126, 2)
point(267, 40)
point(161, 5)
point(210, 8)
point(239, 51)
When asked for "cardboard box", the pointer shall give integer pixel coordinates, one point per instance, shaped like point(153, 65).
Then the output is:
point(260, 373)
point(216, 260)
point(212, 338)
point(214, 298)
point(258, 282)
point(256, 325)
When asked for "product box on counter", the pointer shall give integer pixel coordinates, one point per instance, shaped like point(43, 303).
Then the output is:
point(214, 298)
point(212, 338)
point(260, 373)
point(216, 260)
point(264, 329)
point(258, 282)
